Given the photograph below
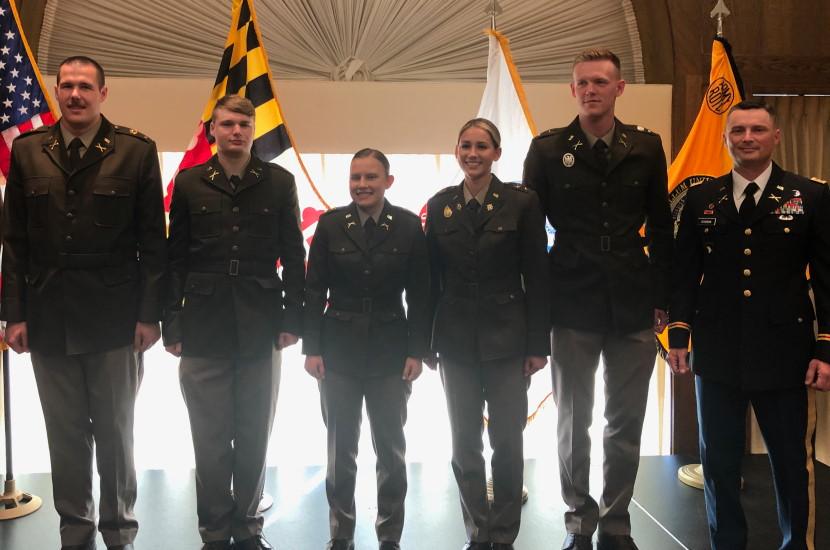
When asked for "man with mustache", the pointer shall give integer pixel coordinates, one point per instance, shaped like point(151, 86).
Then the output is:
point(228, 316)
point(83, 263)
point(599, 182)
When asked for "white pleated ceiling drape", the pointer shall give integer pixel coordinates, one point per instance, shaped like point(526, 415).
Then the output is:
point(382, 40)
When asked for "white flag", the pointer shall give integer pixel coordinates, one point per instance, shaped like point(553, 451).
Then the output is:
point(504, 104)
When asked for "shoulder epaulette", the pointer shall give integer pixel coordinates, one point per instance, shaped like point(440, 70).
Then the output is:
point(642, 129)
point(446, 190)
point(818, 180)
point(550, 133)
point(131, 132)
point(517, 187)
point(35, 131)
point(334, 210)
point(406, 212)
point(276, 166)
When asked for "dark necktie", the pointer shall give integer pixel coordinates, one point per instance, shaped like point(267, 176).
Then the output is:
point(369, 228)
point(601, 153)
point(75, 153)
point(748, 205)
point(235, 181)
point(473, 207)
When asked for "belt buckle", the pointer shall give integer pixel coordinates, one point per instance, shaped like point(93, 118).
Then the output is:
point(367, 305)
point(233, 269)
point(605, 243)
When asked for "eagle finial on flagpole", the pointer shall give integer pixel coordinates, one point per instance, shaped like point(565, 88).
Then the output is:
point(493, 9)
point(719, 12)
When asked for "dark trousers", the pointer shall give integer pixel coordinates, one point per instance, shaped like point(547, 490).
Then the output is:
point(231, 406)
point(629, 362)
point(787, 420)
point(341, 401)
point(88, 403)
point(502, 386)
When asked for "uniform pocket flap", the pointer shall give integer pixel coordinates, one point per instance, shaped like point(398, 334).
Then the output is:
point(34, 187)
point(507, 297)
point(780, 314)
point(199, 285)
point(206, 205)
point(500, 226)
point(268, 282)
point(117, 275)
point(340, 314)
point(112, 187)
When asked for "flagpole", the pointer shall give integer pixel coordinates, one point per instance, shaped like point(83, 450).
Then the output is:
point(493, 9)
point(13, 502)
point(692, 474)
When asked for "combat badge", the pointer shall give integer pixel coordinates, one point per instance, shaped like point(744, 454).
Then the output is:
point(568, 160)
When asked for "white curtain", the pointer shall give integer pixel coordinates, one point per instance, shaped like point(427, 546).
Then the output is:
point(805, 134)
point(385, 40)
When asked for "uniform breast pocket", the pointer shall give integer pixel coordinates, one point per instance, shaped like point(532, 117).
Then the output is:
point(264, 221)
point(36, 191)
point(345, 258)
point(111, 201)
point(206, 217)
point(500, 233)
point(392, 258)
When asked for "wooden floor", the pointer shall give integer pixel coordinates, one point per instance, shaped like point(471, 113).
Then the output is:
point(665, 514)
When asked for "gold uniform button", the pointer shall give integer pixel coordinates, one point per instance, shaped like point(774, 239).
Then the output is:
point(747, 252)
point(747, 231)
point(747, 293)
point(786, 230)
point(747, 272)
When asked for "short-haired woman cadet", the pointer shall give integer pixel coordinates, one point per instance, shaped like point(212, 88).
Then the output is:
point(364, 345)
point(487, 246)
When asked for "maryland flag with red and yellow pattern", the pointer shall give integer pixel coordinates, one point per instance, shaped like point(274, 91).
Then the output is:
point(243, 71)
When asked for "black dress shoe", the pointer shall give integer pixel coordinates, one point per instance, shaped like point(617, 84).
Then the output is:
point(389, 545)
point(472, 545)
point(254, 543)
point(217, 545)
point(616, 542)
point(88, 546)
point(577, 542)
point(340, 544)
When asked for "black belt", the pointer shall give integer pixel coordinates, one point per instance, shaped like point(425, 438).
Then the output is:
point(236, 267)
point(603, 243)
point(368, 304)
point(476, 290)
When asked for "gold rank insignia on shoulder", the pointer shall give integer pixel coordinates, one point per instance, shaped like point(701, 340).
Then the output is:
point(495, 195)
point(107, 140)
point(133, 131)
point(818, 180)
point(447, 212)
point(568, 160)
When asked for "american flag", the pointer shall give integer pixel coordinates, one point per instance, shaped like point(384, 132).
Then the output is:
point(24, 103)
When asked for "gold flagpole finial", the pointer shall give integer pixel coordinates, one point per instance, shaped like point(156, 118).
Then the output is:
point(719, 12)
point(493, 9)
